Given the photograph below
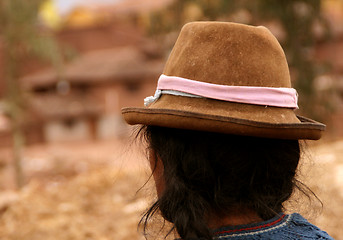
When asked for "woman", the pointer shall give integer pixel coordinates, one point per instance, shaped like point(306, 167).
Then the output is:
point(223, 136)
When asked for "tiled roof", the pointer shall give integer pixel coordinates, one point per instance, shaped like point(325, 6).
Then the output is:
point(118, 64)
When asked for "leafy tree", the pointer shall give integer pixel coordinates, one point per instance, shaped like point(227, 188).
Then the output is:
point(22, 37)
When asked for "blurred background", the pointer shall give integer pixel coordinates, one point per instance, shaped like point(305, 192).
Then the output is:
point(69, 168)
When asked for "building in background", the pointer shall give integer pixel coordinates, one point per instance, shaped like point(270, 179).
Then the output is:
point(113, 65)
point(87, 103)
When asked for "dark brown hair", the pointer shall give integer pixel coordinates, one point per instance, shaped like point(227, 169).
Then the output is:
point(212, 174)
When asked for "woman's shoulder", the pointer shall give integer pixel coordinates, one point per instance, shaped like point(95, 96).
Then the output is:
point(281, 227)
point(305, 229)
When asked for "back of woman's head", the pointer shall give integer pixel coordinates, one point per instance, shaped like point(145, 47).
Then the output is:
point(212, 175)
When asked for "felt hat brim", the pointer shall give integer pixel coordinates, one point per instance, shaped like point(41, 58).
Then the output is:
point(226, 117)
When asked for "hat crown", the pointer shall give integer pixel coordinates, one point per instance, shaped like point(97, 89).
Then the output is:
point(228, 54)
point(211, 60)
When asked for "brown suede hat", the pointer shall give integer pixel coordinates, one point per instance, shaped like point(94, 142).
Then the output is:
point(237, 59)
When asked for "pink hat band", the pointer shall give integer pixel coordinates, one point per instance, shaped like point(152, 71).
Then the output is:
point(266, 96)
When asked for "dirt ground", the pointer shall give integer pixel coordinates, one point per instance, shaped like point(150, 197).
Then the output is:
point(89, 191)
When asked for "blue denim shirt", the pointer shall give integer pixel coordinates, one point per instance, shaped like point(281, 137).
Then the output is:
point(282, 227)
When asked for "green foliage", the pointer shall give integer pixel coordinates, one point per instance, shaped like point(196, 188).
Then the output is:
point(296, 19)
point(22, 38)
point(22, 34)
